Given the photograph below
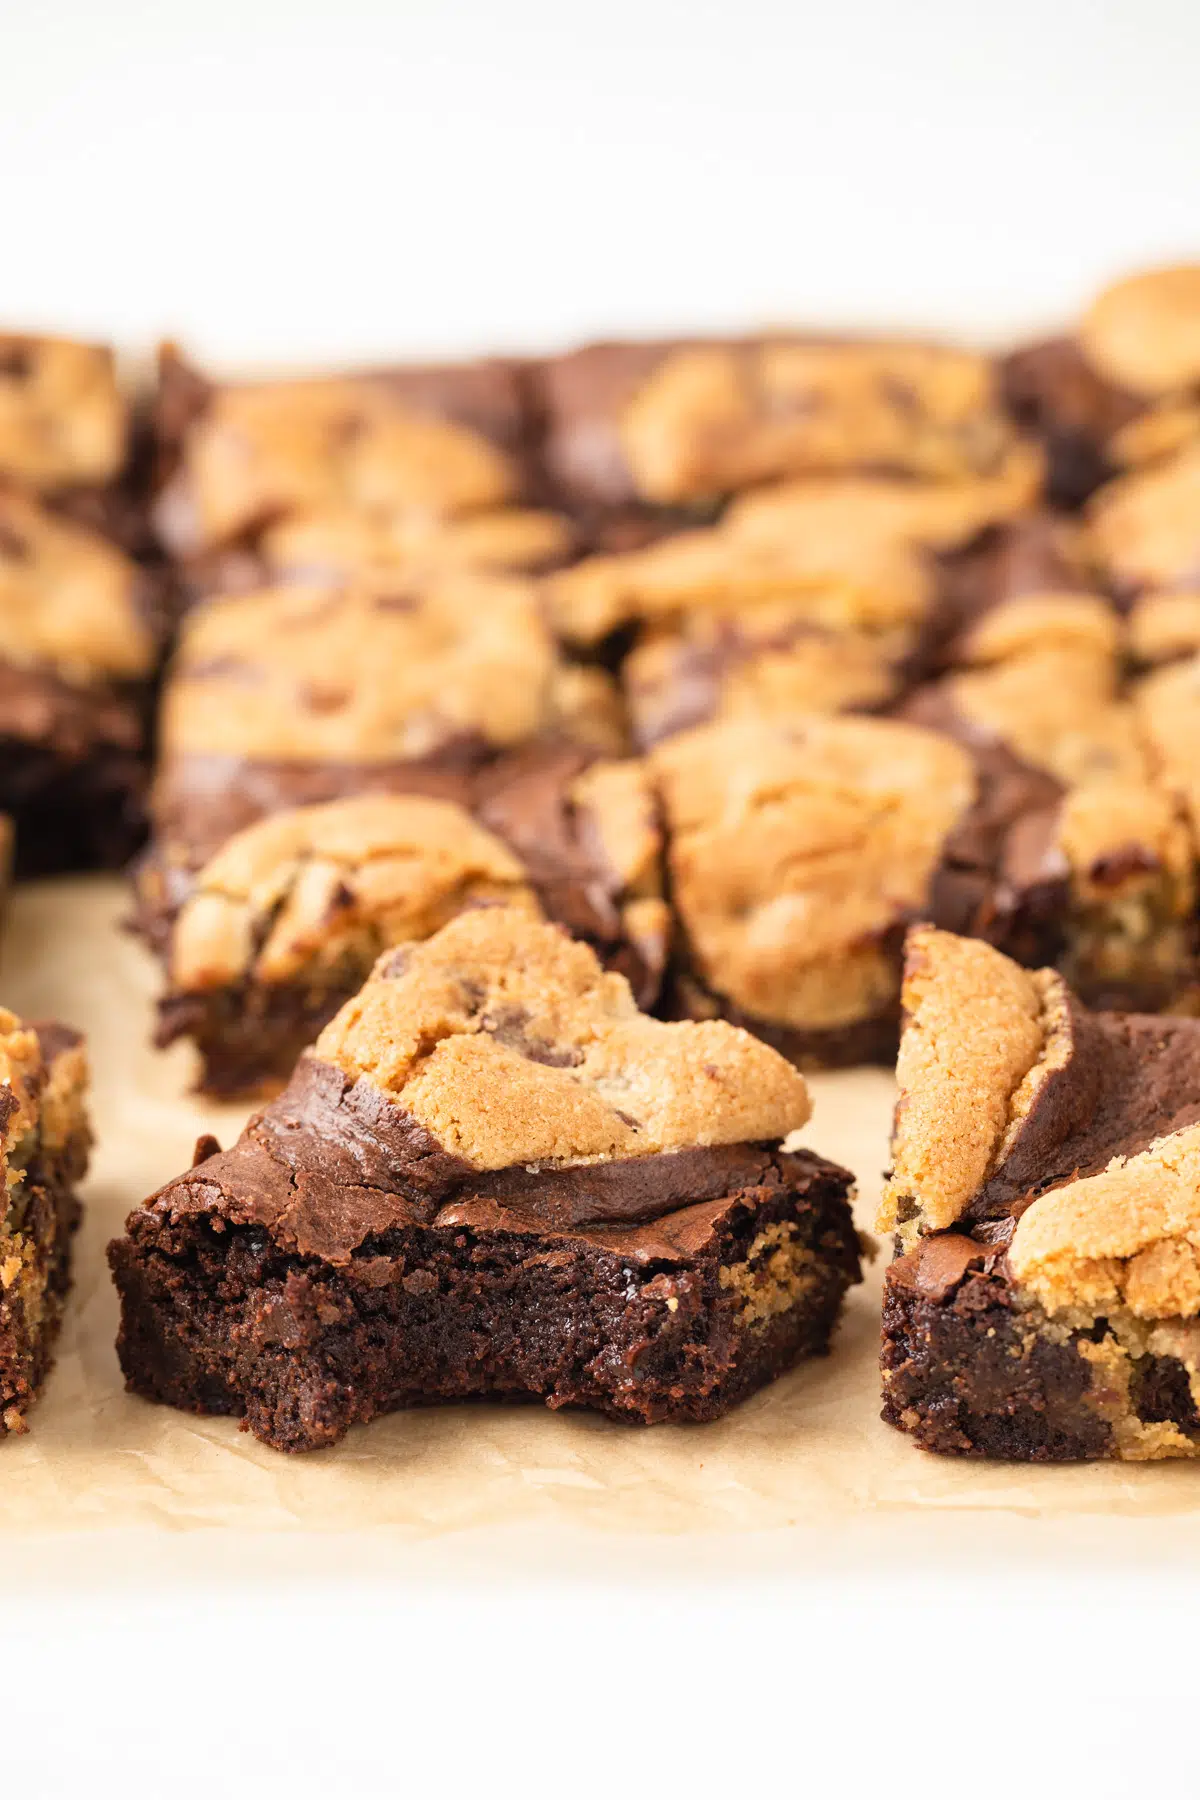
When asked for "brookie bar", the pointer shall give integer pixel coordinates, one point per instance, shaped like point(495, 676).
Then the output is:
point(80, 636)
point(493, 1176)
point(283, 924)
point(1045, 1190)
point(44, 1143)
point(1123, 390)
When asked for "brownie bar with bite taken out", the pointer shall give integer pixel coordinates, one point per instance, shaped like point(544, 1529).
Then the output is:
point(493, 1176)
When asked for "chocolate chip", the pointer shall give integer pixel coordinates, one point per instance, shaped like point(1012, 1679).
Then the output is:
point(16, 362)
point(13, 547)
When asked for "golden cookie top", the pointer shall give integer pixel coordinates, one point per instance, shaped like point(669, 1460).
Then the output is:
point(1128, 1237)
point(68, 598)
point(841, 510)
point(260, 451)
point(1071, 1138)
point(797, 846)
point(768, 664)
point(41, 1096)
point(362, 674)
point(1146, 526)
point(1143, 333)
point(505, 1040)
point(710, 419)
point(863, 582)
point(334, 542)
point(317, 886)
point(981, 1036)
point(62, 418)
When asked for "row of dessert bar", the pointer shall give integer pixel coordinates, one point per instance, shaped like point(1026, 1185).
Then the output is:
point(731, 657)
point(495, 1176)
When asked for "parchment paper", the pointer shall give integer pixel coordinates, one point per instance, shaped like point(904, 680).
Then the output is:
point(809, 1451)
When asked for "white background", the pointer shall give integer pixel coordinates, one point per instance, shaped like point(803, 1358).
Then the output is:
point(276, 181)
point(279, 182)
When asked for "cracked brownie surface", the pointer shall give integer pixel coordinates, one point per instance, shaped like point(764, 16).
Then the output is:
point(1046, 1191)
point(493, 1174)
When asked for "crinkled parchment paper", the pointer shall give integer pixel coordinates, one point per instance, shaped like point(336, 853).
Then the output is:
point(810, 1451)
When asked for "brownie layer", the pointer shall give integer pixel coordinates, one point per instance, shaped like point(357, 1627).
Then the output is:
point(249, 1035)
point(49, 1215)
point(201, 801)
point(36, 1229)
point(969, 1372)
point(334, 1160)
point(964, 1376)
point(72, 771)
point(676, 1318)
point(1054, 393)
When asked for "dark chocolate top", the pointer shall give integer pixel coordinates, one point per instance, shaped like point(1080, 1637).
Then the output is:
point(333, 1162)
point(1127, 1080)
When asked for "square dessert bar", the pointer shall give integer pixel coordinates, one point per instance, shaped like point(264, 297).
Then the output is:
point(797, 852)
point(1097, 870)
point(1123, 390)
point(332, 476)
point(1146, 531)
point(817, 595)
point(80, 636)
point(64, 426)
point(1045, 1192)
point(452, 689)
point(285, 921)
point(492, 1176)
point(298, 694)
point(682, 425)
point(44, 1143)
point(1026, 802)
